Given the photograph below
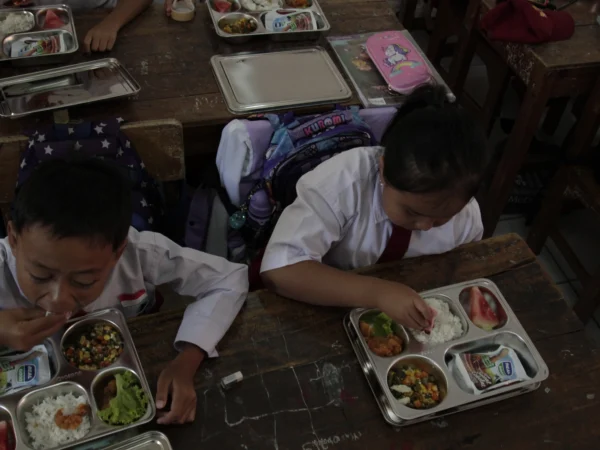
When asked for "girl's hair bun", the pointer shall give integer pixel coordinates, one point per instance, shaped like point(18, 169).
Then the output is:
point(433, 145)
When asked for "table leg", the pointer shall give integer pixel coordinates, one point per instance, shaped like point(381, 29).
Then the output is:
point(515, 151)
point(465, 49)
point(586, 126)
point(548, 214)
point(407, 14)
point(441, 32)
point(556, 109)
point(498, 76)
point(590, 299)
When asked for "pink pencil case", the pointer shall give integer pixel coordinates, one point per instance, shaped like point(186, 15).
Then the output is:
point(398, 61)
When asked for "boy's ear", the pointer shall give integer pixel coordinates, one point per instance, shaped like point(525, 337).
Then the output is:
point(121, 249)
point(12, 236)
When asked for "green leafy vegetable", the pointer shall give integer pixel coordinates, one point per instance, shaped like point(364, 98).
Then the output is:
point(128, 405)
point(382, 325)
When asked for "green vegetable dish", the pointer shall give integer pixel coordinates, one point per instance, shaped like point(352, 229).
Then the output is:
point(414, 387)
point(123, 401)
point(379, 335)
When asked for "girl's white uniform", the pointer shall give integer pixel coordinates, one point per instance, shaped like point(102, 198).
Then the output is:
point(338, 219)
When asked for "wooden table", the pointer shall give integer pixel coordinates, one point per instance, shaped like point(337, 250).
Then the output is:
point(170, 60)
point(555, 69)
point(304, 390)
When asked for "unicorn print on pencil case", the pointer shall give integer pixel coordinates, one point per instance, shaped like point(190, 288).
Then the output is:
point(396, 58)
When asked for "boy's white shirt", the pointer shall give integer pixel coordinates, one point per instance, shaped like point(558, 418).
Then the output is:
point(338, 218)
point(150, 259)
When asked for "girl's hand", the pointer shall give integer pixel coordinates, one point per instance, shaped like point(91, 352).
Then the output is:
point(102, 37)
point(177, 381)
point(403, 305)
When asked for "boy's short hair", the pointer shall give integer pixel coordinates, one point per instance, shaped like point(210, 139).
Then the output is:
point(433, 145)
point(85, 198)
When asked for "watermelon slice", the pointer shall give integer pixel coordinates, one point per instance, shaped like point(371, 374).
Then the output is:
point(52, 21)
point(6, 437)
point(222, 6)
point(3, 435)
point(481, 313)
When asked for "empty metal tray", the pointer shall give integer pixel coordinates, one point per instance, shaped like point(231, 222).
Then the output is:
point(252, 82)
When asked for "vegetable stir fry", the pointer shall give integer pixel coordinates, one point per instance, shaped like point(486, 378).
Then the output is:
point(414, 387)
point(97, 347)
point(380, 336)
point(240, 26)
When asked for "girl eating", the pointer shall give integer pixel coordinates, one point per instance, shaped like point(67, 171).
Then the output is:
point(413, 196)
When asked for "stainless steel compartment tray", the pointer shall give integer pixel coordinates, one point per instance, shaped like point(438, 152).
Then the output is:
point(322, 21)
point(458, 398)
point(64, 87)
point(151, 440)
point(68, 378)
point(64, 12)
point(247, 83)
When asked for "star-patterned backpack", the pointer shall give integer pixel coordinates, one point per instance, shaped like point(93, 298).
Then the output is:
point(106, 141)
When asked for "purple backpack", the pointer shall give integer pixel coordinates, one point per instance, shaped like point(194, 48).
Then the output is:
point(106, 141)
point(259, 178)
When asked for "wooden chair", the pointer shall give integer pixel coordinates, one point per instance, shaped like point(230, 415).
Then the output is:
point(407, 15)
point(158, 142)
point(578, 180)
point(460, 18)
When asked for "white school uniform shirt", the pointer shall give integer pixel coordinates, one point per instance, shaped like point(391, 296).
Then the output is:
point(338, 218)
point(150, 259)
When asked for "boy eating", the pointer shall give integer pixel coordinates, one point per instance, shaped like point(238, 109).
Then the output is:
point(70, 250)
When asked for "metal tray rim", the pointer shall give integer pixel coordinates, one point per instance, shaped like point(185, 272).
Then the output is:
point(152, 435)
point(39, 8)
point(216, 16)
point(66, 70)
point(10, 403)
point(378, 365)
point(236, 108)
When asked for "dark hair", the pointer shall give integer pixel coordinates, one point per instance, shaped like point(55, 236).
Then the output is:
point(433, 145)
point(76, 198)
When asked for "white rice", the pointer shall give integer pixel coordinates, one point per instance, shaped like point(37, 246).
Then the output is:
point(15, 23)
point(42, 429)
point(446, 326)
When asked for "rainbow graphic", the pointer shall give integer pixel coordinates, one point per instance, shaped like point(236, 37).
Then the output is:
point(397, 70)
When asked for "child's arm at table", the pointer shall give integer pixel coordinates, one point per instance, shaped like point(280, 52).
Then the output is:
point(318, 284)
point(103, 36)
point(220, 288)
point(304, 234)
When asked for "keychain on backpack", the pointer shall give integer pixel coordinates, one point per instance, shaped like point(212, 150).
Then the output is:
point(237, 220)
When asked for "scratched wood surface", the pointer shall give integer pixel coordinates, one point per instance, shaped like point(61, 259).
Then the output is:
point(170, 60)
point(573, 56)
point(304, 390)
